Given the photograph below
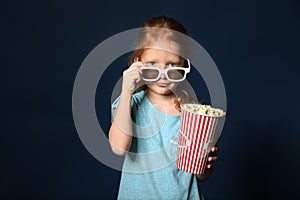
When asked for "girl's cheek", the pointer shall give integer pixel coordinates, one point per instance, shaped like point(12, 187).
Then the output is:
point(173, 85)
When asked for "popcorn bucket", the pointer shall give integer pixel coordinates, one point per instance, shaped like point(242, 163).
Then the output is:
point(198, 133)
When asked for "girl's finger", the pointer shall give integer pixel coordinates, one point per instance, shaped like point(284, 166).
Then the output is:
point(136, 64)
point(135, 72)
point(209, 166)
point(212, 158)
point(214, 149)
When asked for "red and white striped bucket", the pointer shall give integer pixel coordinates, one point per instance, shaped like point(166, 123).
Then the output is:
point(197, 135)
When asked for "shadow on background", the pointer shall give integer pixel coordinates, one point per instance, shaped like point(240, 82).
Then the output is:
point(256, 162)
point(266, 162)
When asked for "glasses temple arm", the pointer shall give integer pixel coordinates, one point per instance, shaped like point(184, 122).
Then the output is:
point(189, 64)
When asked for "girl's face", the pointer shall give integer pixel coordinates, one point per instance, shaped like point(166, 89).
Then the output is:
point(162, 59)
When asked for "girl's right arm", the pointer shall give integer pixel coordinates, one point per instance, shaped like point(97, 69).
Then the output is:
point(120, 133)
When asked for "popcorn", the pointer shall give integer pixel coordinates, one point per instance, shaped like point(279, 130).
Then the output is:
point(204, 110)
point(200, 129)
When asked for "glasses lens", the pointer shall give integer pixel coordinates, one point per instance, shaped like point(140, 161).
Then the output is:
point(150, 73)
point(176, 74)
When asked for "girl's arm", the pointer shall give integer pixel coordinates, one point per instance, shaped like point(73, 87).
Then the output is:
point(120, 133)
point(204, 177)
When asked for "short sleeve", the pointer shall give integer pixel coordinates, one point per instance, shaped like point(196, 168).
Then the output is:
point(114, 105)
point(136, 98)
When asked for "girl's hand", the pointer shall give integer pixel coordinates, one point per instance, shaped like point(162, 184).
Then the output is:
point(212, 157)
point(131, 77)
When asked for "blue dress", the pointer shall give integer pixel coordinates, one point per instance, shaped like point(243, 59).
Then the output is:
point(149, 170)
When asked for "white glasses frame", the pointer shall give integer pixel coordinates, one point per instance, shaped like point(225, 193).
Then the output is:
point(165, 72)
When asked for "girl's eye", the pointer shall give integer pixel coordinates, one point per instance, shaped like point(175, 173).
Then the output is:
point(151, 64)
point(171, 65)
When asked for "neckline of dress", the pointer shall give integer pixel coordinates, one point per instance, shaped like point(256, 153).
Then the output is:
point(169, 115)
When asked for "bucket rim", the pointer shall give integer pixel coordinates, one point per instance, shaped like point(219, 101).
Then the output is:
point(206, 115)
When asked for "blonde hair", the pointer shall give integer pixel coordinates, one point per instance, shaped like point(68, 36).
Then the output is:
point(166, 31)
point(167, 39)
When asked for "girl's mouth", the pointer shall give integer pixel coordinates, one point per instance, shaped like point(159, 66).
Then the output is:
point(162, 84)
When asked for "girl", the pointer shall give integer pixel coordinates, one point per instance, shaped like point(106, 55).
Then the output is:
point(145, 120)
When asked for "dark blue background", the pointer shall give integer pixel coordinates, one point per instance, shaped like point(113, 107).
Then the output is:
point(255, 44)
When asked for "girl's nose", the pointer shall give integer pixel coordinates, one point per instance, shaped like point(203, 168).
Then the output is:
point(163, 76)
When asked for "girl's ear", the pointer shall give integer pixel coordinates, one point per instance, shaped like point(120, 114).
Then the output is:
point(136, 59)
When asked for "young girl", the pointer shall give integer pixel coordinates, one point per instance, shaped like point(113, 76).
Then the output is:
point(146, 120)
